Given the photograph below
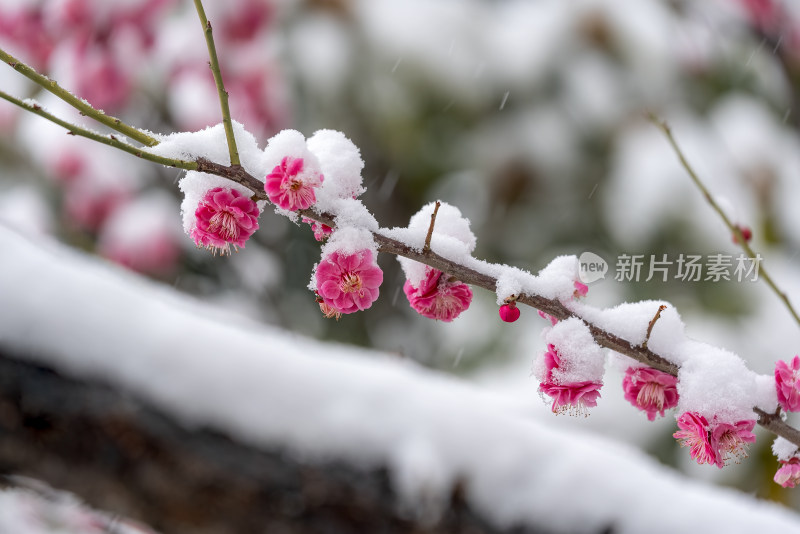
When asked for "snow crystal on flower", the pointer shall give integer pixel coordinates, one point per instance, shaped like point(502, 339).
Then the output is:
point(582, 358)
point(716, 384)
point(347, 240)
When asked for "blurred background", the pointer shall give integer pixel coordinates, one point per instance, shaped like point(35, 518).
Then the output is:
point(530, 116)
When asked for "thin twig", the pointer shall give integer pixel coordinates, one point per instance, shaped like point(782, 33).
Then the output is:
point(652, 324)
point(734, 229)
point(78, 103)
point(428, 237)
point(223, 94)
point(109, 140)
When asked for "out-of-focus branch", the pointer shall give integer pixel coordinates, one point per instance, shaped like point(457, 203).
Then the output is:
point(78, 103)
point(223, 94)
point(734, 229)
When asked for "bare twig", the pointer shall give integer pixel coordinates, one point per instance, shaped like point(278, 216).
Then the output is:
point(223, 94)
point(734, 229)
point(109, 140)
point(78, 103)
point(652, 324)
point(428, 237)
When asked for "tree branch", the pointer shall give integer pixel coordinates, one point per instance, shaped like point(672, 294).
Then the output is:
point(223, 94)
point(109, 140)
point(78, 103)
point(734, 229)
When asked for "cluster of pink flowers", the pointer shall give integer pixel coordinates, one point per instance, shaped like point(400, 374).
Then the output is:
point(437, 296)
point(716, 443)
point(347, 283)
point(650, 390)
point(787, 383)
point(574, 397)
point(788, 475)
point(223, 218)
point(289, 187)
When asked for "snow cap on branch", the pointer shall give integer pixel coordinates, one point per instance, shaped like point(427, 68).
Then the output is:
point(341, 164)
point(211, 144)
point(451, 238)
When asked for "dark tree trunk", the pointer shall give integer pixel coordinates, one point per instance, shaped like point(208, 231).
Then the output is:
point(130, 459)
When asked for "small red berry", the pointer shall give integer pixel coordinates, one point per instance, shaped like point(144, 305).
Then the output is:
point(509, 312)
point(747, 233)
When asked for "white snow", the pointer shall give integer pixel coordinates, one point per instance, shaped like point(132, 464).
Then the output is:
point(212, 145)
point(451, 238)
point(784, 449)
point(716, 383)
point(325, 401)
point(581, 358)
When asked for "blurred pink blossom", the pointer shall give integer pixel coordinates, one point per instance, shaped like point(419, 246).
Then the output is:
point(787, 383)
point(788, 475)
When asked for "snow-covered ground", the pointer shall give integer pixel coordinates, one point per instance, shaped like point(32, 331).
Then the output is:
point(268, 387)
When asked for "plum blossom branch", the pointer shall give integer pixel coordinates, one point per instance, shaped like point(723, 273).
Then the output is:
point(109, 140)
point(223, 94)
point(552, 307)
point(734, 228)
point(78, 103)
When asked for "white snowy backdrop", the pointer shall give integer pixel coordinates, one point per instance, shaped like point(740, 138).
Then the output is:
point(528, 116)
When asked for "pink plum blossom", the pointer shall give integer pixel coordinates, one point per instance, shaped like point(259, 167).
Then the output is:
point(730, 441)
point(321, 231)
point(290, 188)
point(224, 217)
point(574, 397)
point(650, 390)
point(787, 382)
point(716, 443)
point(438, 297)
point(694, 434)
point(348, 282)
point(88, 204)
point(788, 475)
point(581, 289)
point(547, 317)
